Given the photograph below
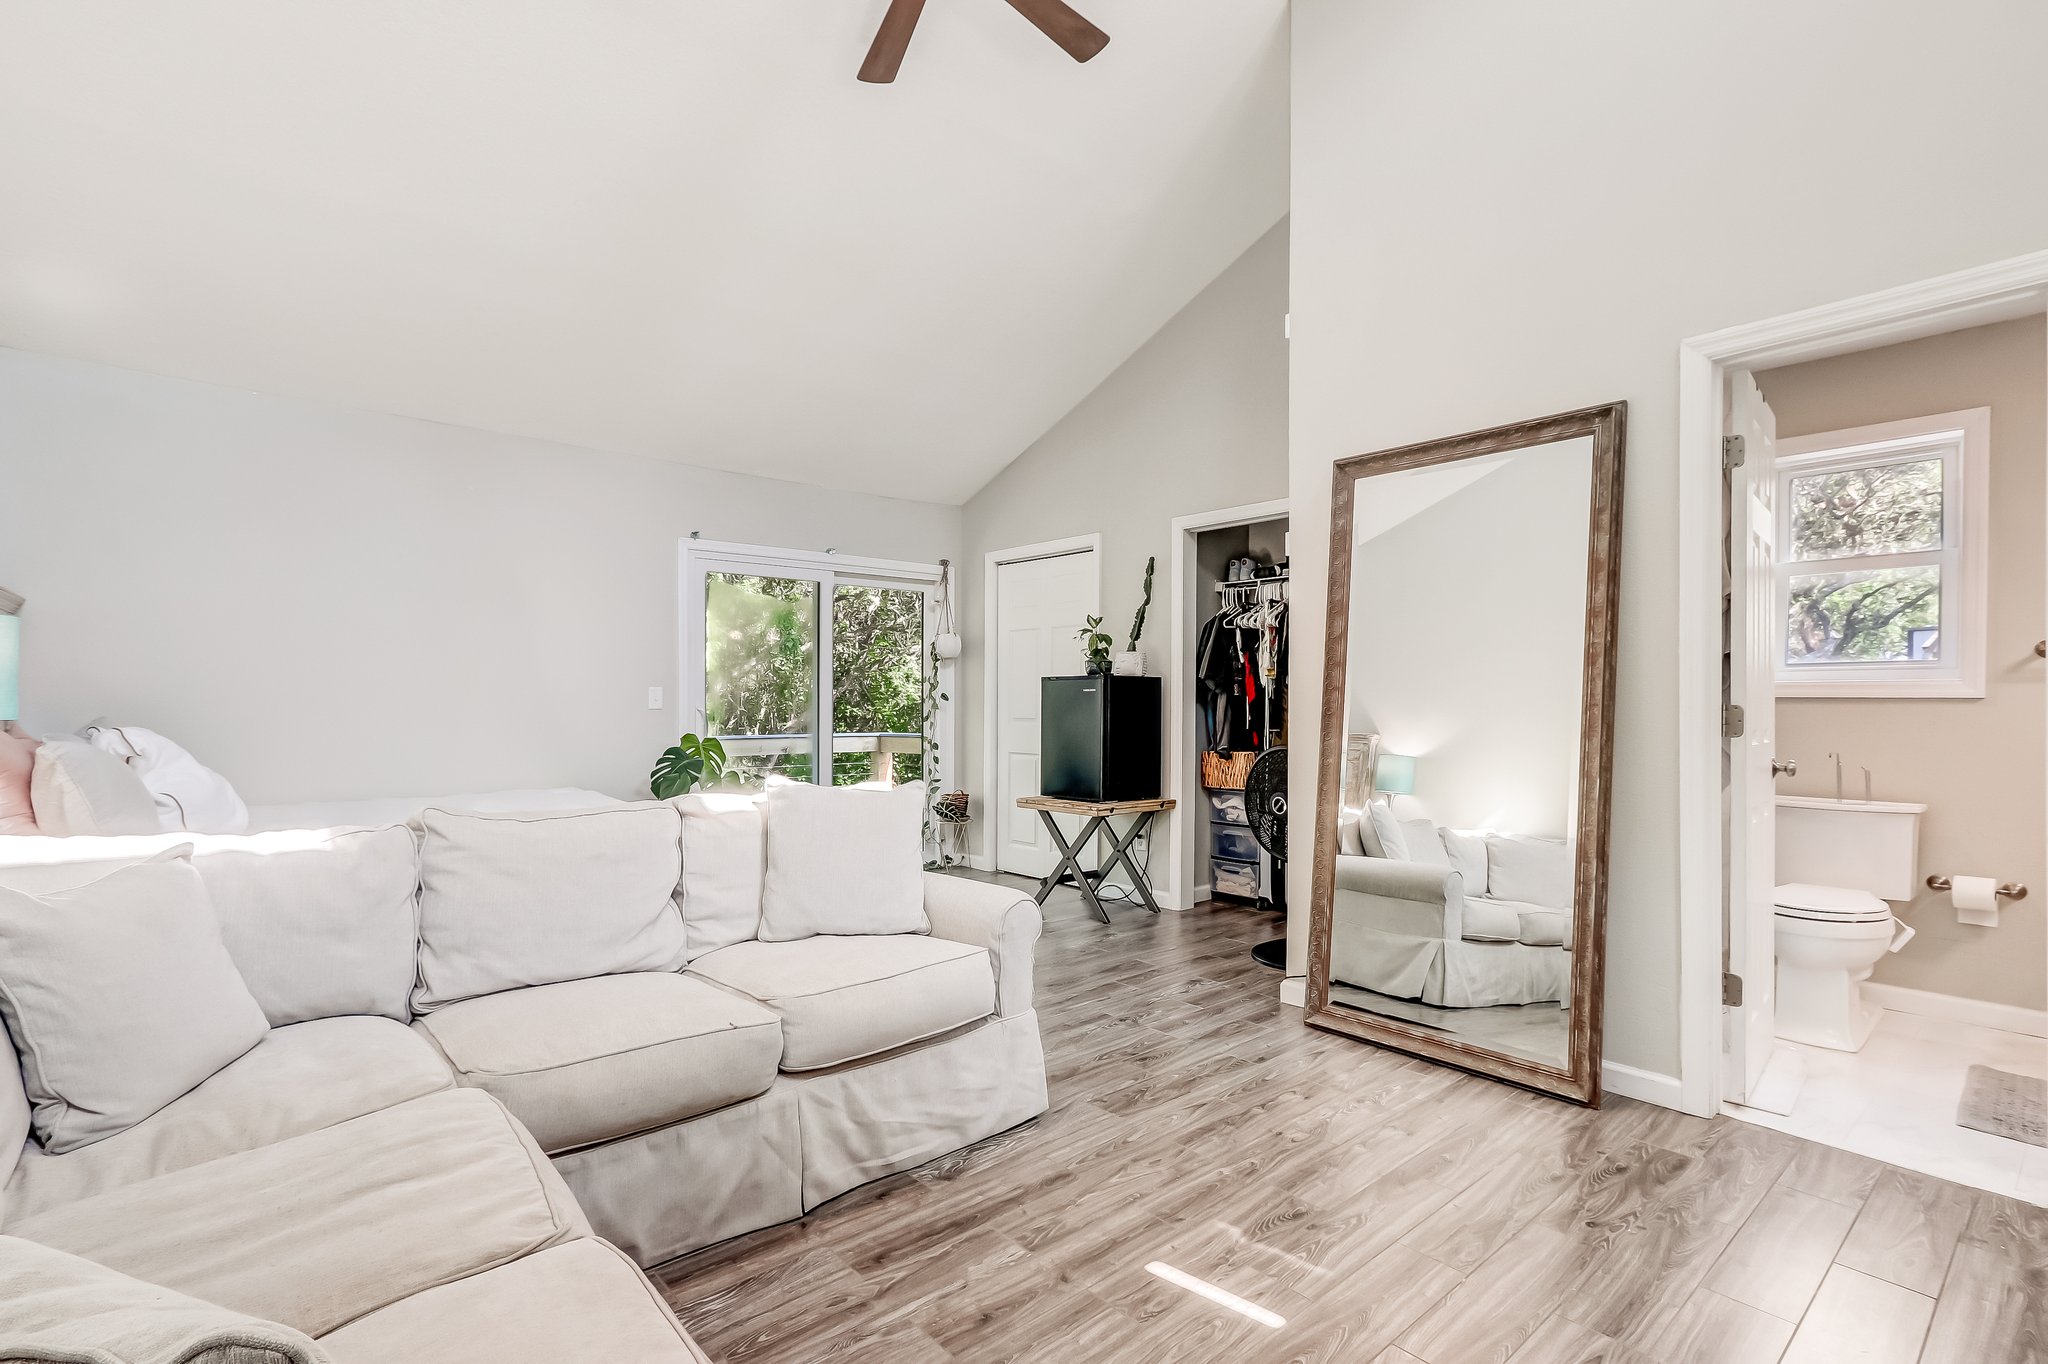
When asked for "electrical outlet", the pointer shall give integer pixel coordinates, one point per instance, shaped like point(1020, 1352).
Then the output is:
point(654, 698)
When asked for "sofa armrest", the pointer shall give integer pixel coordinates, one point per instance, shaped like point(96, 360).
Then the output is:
point(59, 1306)
point(999, 918)
point(1415, 898)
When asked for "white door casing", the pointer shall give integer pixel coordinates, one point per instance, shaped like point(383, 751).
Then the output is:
point(1754, 637)
point(1041, 605)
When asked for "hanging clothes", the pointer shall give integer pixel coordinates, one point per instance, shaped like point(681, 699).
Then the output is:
point(1241, 674)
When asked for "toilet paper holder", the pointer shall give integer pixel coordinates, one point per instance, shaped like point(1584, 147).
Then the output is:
point(2009, 890)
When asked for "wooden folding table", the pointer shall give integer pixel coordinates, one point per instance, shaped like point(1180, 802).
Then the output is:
point(1098, 813)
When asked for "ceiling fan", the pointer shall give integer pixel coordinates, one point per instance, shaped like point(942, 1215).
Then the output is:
point(1054, 19)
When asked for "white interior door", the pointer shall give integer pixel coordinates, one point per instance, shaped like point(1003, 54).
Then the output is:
point(1041, 606)
point(1755, 634)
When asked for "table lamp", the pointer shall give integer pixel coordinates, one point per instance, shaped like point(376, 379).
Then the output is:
point(10, 656)
point(1394, 775)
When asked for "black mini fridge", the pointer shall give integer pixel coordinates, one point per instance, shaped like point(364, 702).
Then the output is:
point(1099, 737)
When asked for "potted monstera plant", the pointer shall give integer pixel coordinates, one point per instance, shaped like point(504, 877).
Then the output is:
point(693, 764)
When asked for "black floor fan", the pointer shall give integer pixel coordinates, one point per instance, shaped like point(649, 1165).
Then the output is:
point(1265, 805)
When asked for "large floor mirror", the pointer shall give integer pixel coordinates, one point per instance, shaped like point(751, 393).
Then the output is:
point(1468, 718)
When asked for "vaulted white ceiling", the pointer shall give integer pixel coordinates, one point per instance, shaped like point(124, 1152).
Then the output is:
point(674, 227)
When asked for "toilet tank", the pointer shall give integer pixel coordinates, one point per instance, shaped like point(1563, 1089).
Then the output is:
point(1861, 845)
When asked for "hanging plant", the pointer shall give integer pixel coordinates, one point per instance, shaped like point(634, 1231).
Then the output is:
point(932, 699)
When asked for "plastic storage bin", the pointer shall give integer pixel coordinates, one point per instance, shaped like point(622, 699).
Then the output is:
point(1227, 807)
point(1232, 843)
point(1235, 878)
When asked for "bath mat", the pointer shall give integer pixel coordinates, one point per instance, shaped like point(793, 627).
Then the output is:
point(2005, 1105)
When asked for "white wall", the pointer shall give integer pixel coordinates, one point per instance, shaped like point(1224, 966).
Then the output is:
point(1502, 210)
point(326, 603)
point(1196, 419)
point(1468, 637)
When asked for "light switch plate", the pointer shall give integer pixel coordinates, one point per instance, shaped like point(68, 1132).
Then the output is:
point(654, 698)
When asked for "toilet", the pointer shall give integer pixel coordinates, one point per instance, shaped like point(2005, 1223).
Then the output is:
point(1838, 864)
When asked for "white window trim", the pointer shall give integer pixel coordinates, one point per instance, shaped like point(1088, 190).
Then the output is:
point(827, 568)
point(1964, 554)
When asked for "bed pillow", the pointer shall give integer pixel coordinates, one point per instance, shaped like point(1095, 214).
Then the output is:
point(76, 789)
point(843, 861)
point(17, 767)
point(190, 796)
point(513, 900)
point(120, 997)
point(1535, 871)
point(1467, 852)
point(1383, 835)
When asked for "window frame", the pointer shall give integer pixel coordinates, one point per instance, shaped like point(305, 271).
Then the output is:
point(1962, 440)
point(829, 569)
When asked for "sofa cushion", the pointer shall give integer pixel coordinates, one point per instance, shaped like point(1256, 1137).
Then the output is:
point(725, 856)
point(581, 1301)
point(1537, 871)
point(1489, 920)
point(298, 1079)
point(1467, 852)
point(589, 1060)
point(61, 1307)
point(119, 996)
point(329, 1226)
point(843, 860)
point(842, 998)
point(1543, 927)
point(76, 789)
point(514, 900)
point(1382, 833)
point(321, 923)
point(1425, 843)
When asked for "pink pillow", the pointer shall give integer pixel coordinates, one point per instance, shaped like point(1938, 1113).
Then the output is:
point(17, 761)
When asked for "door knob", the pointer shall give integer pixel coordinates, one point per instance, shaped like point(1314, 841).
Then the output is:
point(1784, 767)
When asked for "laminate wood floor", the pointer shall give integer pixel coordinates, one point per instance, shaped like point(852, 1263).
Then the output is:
point(1318, 1199)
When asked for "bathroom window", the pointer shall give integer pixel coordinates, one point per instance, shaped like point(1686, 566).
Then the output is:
point(1881, 555)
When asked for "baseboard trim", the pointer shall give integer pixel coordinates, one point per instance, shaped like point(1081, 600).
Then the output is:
point(1646, 1085)
point(1977, 1012)
point(1294, 990)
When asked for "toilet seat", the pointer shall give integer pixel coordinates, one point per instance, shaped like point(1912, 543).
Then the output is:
point(1830, 904)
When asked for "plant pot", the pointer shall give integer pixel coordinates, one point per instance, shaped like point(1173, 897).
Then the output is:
point(947, 645)
point(1129, 665)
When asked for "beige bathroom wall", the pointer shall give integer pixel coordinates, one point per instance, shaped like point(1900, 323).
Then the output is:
point(1978, 765)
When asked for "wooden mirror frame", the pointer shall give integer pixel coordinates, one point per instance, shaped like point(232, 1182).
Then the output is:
point(1580, 1081)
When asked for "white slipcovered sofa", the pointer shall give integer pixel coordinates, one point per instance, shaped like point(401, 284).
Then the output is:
point(1450, 918)
point(505, 1061)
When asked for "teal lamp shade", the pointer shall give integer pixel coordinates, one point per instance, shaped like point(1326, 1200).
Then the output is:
point(10, 667)
point(1394, 775)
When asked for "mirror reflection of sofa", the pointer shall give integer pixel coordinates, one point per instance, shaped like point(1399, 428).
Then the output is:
point(1450, 918)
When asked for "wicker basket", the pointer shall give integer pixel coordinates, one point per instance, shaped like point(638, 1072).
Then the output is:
point(1226, 771)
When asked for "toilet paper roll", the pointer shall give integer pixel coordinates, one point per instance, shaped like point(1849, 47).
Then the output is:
point(1976, 900)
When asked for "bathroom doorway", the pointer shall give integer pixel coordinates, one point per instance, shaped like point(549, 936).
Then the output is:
point(1883, 959)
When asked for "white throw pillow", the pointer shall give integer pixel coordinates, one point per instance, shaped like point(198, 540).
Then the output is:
point(725, 857)
point(189, 795)
point(1351, 833)
point(1425, 845)
point(1535, 871)
point(76, 789)
point(843, 861)
point(513, 900)
point(1383, 836)
point(1467, 852)
point(120, 997)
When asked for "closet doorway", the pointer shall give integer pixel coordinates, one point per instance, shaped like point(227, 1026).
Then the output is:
point(1204, 545)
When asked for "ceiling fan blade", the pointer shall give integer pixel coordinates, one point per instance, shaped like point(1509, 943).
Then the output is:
point(1060, 23)
point(892, 40)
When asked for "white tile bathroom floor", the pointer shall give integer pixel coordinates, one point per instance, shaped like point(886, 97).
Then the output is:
point(1896, 1100)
